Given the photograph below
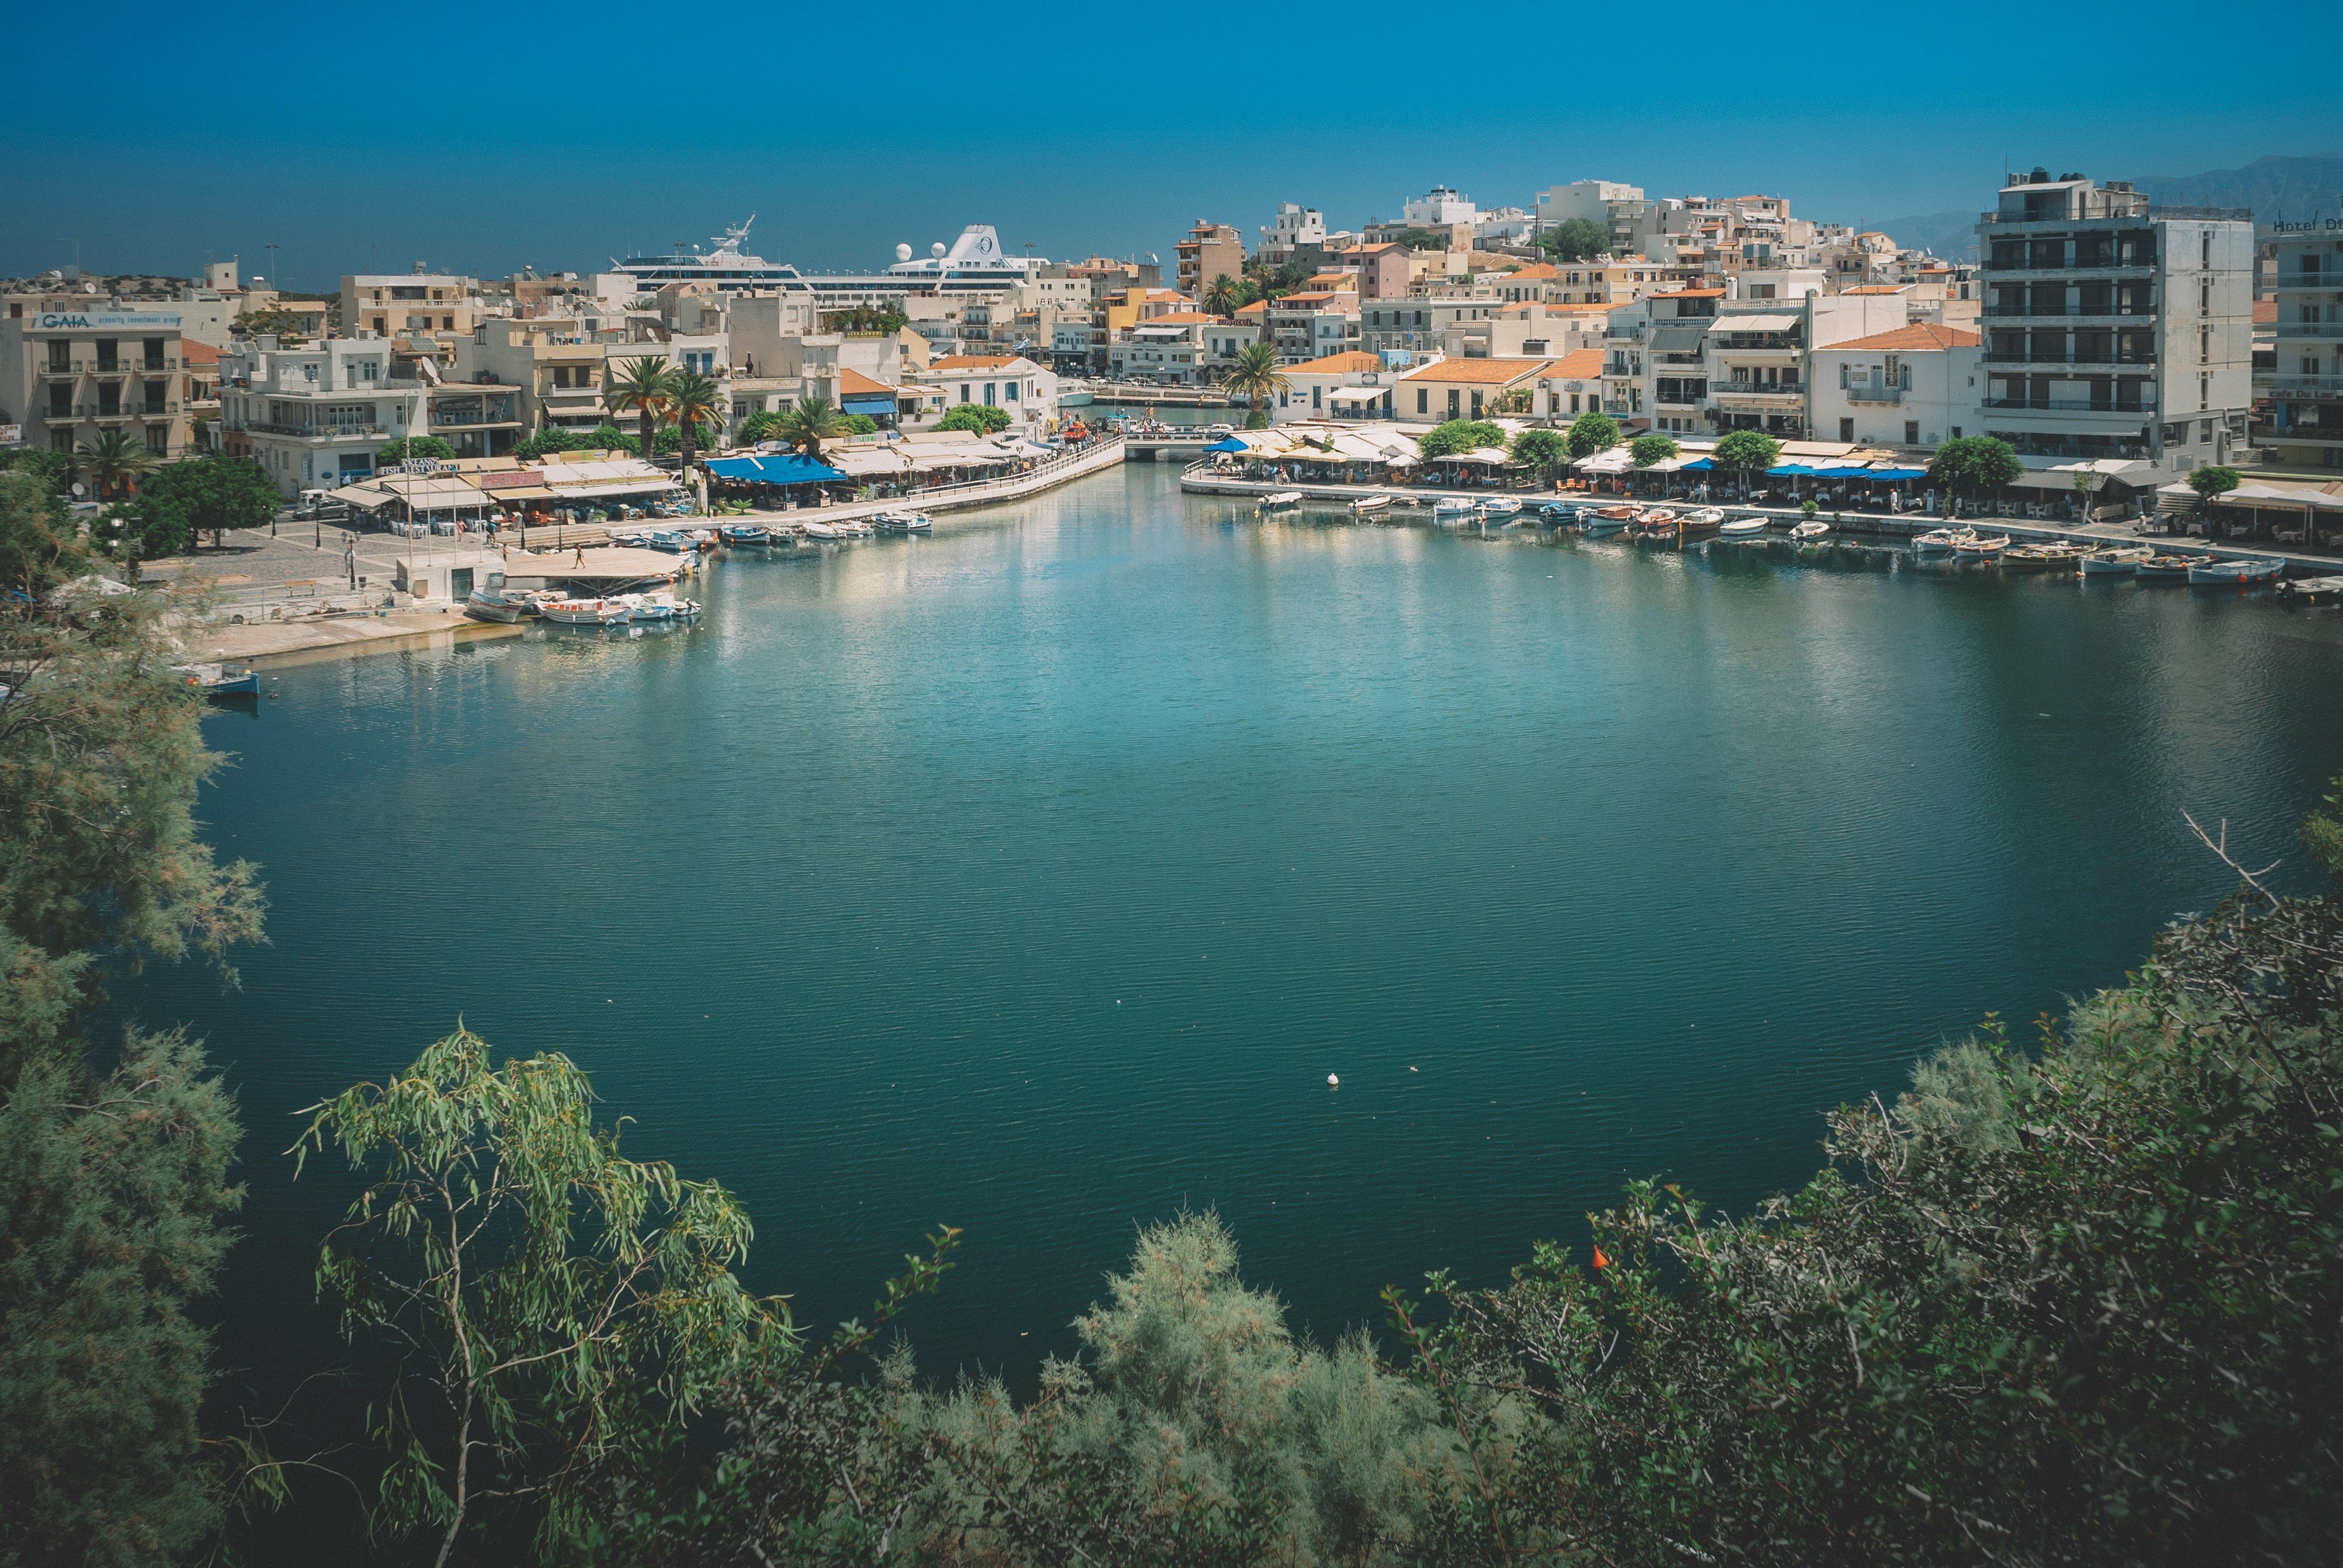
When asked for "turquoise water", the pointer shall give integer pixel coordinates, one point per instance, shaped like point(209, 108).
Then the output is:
point(1033, 877)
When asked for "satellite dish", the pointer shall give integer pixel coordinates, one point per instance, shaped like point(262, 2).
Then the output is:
point(902, 253)
point(937, 250)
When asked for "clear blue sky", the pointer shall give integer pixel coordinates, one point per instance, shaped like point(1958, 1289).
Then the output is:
point(361, 138)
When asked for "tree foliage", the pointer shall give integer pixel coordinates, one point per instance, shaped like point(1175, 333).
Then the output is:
point(1545, 451)
point(982, 418)
point(1646, 450)
point(1454, 435)
point(1255, 377)
point(645, 387)
point(2212, 480)
point(206, 495)
point(809, 422)
point(564, 1307)
point(1973, 465)
point(394, 453)
point(1575, 239)
point(1746, 452)
point(1592, 432)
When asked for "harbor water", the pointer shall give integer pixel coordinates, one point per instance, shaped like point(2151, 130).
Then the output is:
point(1034, 876)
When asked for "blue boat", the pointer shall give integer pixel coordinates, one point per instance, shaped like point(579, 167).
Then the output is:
point(672, 541)
point(746, 534)
point(2241, 573)
point(216, 681)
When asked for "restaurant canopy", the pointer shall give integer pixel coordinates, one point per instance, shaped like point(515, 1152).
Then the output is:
point(2279, 495)
point(776, 469)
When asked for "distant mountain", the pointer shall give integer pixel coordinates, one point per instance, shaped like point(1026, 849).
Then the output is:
point(2290, 187)
point(2274, 187)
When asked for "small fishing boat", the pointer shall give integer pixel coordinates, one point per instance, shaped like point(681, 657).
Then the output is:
point(738, 534)
point(917, 522)
point(1981, 547)
point(671, 540)
point(634, 538)
point(2312, 590)
point(2243, 572)
point(1656, 523)
point(1703, 521)
point(819, 530)
point(495, 605)
point(1454, 507)
point(2117, 560)
point(852, 528)
point(1810, 530)
point(1278, 500)
point(2165, 568)
point(1741, 527)
point(218, 680)
point(1941, 541)
point(1366, 503)
point(1500, 506)
point(584, 611)
point(1606, 520)
point(2053, 556)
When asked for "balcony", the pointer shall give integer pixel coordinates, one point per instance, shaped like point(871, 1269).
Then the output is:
point(2305, 280)
point(2327, 330)
point(2001, 356)
point(1869, 394)
point(2074, 405)
point(318, 432)
point(2111, 264)
point(1768, 391)
point(2004, 313)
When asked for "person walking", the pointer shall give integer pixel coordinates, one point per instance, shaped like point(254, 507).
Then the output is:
point(350, 564)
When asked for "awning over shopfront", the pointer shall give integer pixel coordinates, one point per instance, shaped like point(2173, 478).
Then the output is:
point(876, 408)
point(776, 469)
point(1753, 324)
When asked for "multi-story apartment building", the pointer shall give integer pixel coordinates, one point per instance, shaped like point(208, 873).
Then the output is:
point(1212, 250)
point(1314, 323)
point(1293, 227)
point(559, 364)
point(317, 416)
point(2300, 395)
point(2114, 329)
point(1620, 208)
point(1698, 361)
point(1419, 325)
point(1914, 385)
point(68, 374)
point(417, 301)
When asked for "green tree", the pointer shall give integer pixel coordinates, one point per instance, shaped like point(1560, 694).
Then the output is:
point(552, 439)
point(564, 1308)
point(1646, 450)
point(1220, 297)
point(981, 417)
point(1975, 464)
point(1744, 453)
point(644, 387)
point(1543, 450)
point(859, 425)
point(1454, 435)
point(1256, 378)
point(206, 495)
point(394, 453)
point(693, 402)
point(2212, 480)
point(608, 438)
point(762, 426)
point(113, 1163)
point(1575, 239)
point(808, 424)
point(1592, 432)
point(115, 462)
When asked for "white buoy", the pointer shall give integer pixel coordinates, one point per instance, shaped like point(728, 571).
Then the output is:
point(1332, 1082)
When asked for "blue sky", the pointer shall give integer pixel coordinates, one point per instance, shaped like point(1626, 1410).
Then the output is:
point(361, 138)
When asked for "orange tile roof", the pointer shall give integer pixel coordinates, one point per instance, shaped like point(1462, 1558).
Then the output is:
point(1478, 372)
point(1258, 307)
point(1877, 288)
point(1535, 270)
point(193, 354)
point(1311, 295)
point(973, 361)
point(852, 380)
point(1337, 363)
point(1578, 365)
point(1920, 338)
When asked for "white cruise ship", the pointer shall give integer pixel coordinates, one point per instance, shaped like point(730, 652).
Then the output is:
point(973, 265)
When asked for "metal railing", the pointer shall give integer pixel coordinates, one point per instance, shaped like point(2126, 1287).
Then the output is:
point(2004, 313)
point(2074, 405)
point(2329, 329)
point(2307, 280)
point(2111, 264)
point(1865, 393)
point(2019, 356)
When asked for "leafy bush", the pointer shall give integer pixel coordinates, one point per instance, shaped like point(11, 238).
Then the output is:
point(202, 495)
point(1972, 464)
point(1647, 450)
point(1592, 432)
point(981, 417)
point(1454, 436)
point(1543, 450)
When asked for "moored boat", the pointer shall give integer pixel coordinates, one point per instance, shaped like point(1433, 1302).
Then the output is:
point(2312, 590)
point(1981, 547)
point(745, 534)
point(1742, 527)
point(1500, 506)
point(584, 611)
point(819, 530)
point(1703, 520)
point(1810, 530)
point(2050, 556)
point(219, 681)
point(2242, 572)
point(1454, 507)
point(1366, 503)
point(1278, 500)
point(2161, 568)
point(495, 605)
point(1941, 541)
point(1606, 520)
point(2117, 560)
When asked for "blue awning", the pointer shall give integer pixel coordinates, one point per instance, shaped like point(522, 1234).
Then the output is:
point(1789, 471)
point(1231, 444)
point(1698, 466)
point(1897, 474)
point(776, 469)
point(878, 406)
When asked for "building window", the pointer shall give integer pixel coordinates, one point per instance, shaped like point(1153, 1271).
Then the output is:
point(60, 354)
point(1847, 429)
point(964, 391)
point(158, 439)
point(1911, 432)
point(1956, 432)
point(2204, 398)
point(1009, 392)
point(1424, 400)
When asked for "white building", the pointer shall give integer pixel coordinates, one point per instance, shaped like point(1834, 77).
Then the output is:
point(1914, 385)
point(1028, 392)
point(1439, 207)
point(2302, 394)
point(1293, 225)
point(2114, 329)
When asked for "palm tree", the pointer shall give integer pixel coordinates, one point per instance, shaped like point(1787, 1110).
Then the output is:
point(115, 459)
point(643, 389)
point(1220, 298)
point(693, 399)
point(1255, 377)
point(809, 424)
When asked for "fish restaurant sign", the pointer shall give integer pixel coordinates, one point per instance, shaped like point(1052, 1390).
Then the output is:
point(124, 321)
